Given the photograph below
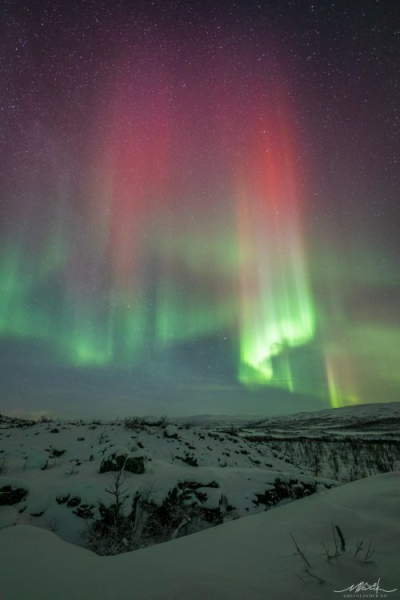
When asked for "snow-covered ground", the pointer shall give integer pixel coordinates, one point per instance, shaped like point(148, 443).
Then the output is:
point(199, 473)
point(58, 465)
point(365, 419)
point(249, 559)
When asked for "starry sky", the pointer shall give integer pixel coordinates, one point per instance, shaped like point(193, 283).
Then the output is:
point(199, 206)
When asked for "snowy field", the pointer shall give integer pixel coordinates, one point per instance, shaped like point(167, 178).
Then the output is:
point(320, 493)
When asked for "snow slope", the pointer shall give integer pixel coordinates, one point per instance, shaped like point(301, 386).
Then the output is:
point(376, 419)
point(252, 558)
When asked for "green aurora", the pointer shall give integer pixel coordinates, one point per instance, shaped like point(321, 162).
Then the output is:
point(188, 217)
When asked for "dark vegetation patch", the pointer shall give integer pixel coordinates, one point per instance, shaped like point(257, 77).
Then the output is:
point(10, 495)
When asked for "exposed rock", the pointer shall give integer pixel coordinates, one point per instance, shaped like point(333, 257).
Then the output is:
point(84, 511)
point(135, 463)
point(74, 501)
point(117, 459)
point(189, 459)
point(55, 453)
point(62, 499)
point(114, 460)
point(10, 495)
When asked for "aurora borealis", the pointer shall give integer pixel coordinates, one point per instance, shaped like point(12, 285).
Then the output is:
point(198, 207)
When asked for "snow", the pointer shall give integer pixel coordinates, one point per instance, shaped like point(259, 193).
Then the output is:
point(8, 516)
point(240, 468)
point(376, 419)
point(252, 558)
point(237, 469)
point(38, 504)
point(171, 431)
point(37, 459)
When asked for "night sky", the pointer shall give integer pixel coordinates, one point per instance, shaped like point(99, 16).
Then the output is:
point(199, 206)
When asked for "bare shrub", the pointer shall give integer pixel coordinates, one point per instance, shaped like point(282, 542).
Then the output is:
point(146, 522)
point(345, 459)
point(134, 423)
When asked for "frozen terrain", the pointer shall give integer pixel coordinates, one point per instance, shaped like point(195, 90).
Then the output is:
point(291, 475)
point(250, 559)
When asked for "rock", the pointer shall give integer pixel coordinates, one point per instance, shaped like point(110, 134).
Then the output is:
point(136, 462)
point(117, 459)
point(10, 495)
point(74, 501)
point(84, 511)
point(56, 453)
point(114, 460)
point(62, 499)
